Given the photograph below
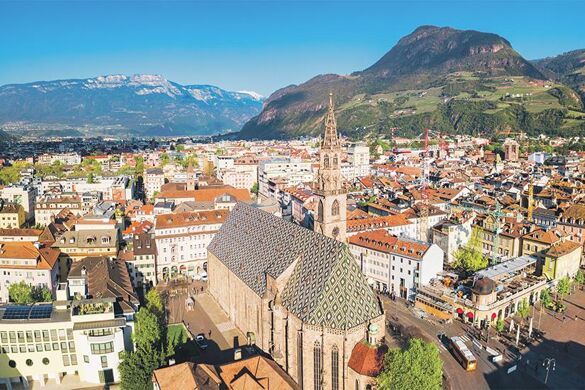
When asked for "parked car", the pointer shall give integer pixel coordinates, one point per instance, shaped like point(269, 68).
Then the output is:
point(201, 341)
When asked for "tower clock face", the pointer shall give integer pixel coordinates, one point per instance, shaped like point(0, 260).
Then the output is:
point(335, 231)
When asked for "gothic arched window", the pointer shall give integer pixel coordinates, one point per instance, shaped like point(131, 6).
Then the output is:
point(334, 368)
point(317, 365)
point(326, 162)
point(335, 161)
point(300, 357)
point(320, 211)
point(335, 208)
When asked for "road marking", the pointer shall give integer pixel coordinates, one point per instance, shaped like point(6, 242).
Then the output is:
point(464, 338)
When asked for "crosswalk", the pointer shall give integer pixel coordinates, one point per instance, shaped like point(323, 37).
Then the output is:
point(465, 338)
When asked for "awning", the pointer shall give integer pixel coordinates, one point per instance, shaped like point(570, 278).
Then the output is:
point(459, 310)
point(469, 315)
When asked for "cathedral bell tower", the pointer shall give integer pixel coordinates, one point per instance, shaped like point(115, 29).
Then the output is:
point(331, 197)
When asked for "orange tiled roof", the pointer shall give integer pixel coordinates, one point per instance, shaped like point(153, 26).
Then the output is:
point(190, 218)
point(382, 241)
point(366, 359)
point(544, 236)
point(46, 257)
point(562, 248)
point(208, 194)
point(356, 225)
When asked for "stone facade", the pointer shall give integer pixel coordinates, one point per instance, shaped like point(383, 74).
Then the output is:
point(303, 299)
point(330, 195)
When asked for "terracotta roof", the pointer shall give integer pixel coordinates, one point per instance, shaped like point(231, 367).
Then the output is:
point(106, 279)
point(257, 372)
point(544, 236)
point(358, 225)
point(576, 211)
point(46, 257)
point(563, 248)
point(208, 194)
point(190, 218)
point(367, 359)
point(176, 377)
point(21, 232)
point(382, 241)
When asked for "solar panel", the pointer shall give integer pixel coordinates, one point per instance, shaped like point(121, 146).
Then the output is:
point(16, 312)
point(22, 312)
point(41, 311)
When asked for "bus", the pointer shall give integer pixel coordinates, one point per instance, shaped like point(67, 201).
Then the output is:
point(462, 353)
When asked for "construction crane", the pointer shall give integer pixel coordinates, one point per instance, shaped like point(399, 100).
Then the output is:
point(424, 205)
point(497, 214)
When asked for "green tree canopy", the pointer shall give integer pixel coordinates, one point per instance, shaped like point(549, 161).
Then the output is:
point(150, 337)
point(470, 257)
point(563, 287)
point(546, 298)
point(580, 278)
point(523, 309)
point(255, 188)
point(23, 293)
point(419, 366)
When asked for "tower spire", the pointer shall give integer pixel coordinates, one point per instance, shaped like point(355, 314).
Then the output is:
point(330, 140)
point(332, 198)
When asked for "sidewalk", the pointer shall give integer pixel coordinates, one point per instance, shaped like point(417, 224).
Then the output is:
point(206, 305)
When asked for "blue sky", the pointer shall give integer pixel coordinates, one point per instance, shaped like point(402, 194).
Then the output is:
point(253, 45)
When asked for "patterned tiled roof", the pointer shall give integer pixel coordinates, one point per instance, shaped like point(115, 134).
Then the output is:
point(326, 286)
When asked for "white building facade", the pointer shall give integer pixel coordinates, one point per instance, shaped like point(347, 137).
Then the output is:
point(395, 264)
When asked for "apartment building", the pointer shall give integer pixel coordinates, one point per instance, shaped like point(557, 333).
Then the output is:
point(396, 264)
point(42, 343)
point(32, 263)
point(276, 175)
point(49, 206)
point(25, 195)
point(154, 178)
point(63, 158)
point(182, 240)
point(12, 215)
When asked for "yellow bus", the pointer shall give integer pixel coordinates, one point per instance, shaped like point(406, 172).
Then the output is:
point(462, 353)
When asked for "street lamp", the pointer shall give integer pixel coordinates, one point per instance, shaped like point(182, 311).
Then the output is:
point(547, 363)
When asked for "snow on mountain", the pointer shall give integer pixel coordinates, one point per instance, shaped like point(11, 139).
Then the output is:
point(141, 102)
point(254, 95)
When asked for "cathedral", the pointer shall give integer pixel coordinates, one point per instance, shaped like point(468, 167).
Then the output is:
point(299, 294)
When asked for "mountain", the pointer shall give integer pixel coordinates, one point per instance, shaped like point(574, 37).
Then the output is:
point(458, 81)
point(568, 68)
point(138, 104)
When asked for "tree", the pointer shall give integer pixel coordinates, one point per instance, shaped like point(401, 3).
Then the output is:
point(563, 287)
point(150, 337)
point(41, 294)
point(23, 293)
point(136, 368)
point(523, 309)
point(255, 188)
point(164, 159)
point(500, 325)
point(545, 298)
point(90, 178)
point(419, 366)
point(470, 257)
point(209, 169)
point(20, 293)
point(580, 278)
point(139, 165)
